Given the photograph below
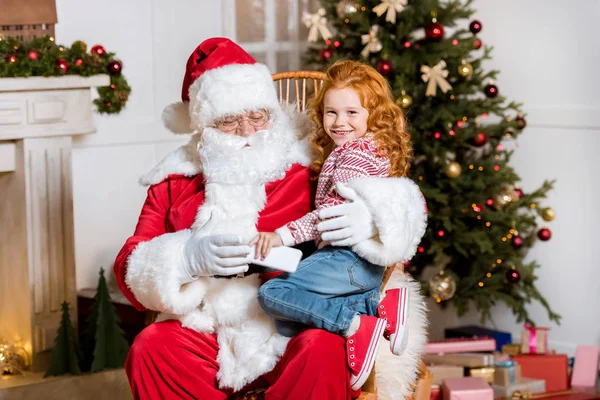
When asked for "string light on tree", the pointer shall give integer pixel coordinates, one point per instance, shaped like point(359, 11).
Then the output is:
point(33, 55)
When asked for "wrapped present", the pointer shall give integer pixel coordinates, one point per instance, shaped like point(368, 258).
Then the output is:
point(553, 368)
point(462, 359)
point(487, 373)
point(585, 367)
point(511, 349)
point(461, 345)
point(534, 340)
point(436, 392)
point(526, 385)
point(474, 331)
point(507, 373)
point(441, 372)
point(468, 388)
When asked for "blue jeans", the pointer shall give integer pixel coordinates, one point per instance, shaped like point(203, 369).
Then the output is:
point(327, 291)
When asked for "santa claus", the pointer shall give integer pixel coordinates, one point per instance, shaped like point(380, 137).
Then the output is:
point(245, 167)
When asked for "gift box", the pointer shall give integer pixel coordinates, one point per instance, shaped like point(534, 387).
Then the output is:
point(441, 372)
point(507, 373)
point(436, 392)
point(471, 331)
point(534, 340)
point(460, 345)
point(585, 367)
point(511, 349)
point(526, 385)
point(469, 388)
point(462, 359)
point(487, 373)
point(553, 368)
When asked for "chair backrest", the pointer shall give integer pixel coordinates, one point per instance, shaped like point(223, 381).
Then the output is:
point(297, 86)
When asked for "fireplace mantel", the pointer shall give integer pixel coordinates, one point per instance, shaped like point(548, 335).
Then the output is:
point(38, 117)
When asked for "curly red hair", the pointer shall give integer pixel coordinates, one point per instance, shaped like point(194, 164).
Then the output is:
point(386, 120)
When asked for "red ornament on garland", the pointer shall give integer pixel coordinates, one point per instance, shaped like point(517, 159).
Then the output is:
point(480, 139)
point(114, 67)
point(518, 192)
point(477, 44)
point(434, 31)
point(98, 50)
point(79, 62)
point(325, 54)
point(513, 276)
point(517, 242)
point(491, 90)
point(384, 67)
point(62, 65)
point(521, 123)
point(545, 234)
point(11, 59)
point(33, 55)
point(475, 26)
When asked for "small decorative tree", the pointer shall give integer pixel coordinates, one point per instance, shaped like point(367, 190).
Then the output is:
point(66, 353)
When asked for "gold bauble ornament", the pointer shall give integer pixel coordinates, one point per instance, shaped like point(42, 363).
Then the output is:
point(504, 197)
point(548, 214)
point(442, 287)
point(79, 45)
point(465, 69)
point(404, 101)
point(345, 7)
point(453, 170)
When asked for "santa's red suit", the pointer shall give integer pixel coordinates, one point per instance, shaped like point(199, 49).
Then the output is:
point(170, 361)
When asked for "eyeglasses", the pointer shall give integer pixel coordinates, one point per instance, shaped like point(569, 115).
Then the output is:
point(255, 119)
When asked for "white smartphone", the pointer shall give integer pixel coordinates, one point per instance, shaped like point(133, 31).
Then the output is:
point(282, 258)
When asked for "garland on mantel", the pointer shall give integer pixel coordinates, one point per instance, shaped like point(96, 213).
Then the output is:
point(43, 57)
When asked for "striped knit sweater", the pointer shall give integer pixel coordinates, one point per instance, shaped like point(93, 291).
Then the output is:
point(354, 159)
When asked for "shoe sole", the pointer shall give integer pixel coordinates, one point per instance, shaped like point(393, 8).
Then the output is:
point(356, 381)
point(398, 342)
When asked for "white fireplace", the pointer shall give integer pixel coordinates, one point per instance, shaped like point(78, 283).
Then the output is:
point(38, 118)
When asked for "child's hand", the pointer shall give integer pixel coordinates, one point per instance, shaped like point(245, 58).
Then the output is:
point(264, 241)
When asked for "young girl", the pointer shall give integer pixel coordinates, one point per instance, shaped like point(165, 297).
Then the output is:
point(360, 132)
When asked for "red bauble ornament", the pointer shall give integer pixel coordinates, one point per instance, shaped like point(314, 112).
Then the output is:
point(480, 139)
point(545, 234)
point(33, 55)
point(475, 26)
point(434, 31)
point(62, 65)
point(79, 62)
point(98, 50)
point(325, 54)
point(491, 90)
point(513, 276)
point(11, 59)
point(521, 123)
point(384, 67)
point(518, 192)
point(517, 242)
point(477, 44)
point(114, 67)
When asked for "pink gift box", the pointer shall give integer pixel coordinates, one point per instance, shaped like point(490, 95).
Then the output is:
point(469, 388)
point(461, 345)
point(585, 369)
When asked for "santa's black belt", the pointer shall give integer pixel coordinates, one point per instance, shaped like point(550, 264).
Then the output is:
point(252, 269)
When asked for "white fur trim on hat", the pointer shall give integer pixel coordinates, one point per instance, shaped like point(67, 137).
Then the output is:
point(230, 90)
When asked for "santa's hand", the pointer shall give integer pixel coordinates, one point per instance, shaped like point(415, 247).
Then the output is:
point(349, 223)
point(215, 255)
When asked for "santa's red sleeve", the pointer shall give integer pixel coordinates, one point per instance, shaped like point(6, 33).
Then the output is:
point(149, 268)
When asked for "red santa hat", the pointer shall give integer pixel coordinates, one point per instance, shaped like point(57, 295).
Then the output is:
point(220, 79)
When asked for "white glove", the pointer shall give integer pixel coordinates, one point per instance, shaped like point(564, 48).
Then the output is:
point(215, 255)
point(349, 223)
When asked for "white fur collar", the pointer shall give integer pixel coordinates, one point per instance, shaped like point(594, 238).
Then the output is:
point(186, 161)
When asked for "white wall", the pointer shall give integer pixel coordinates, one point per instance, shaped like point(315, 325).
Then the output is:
point(549, 61)
point(153, 38)
point(546, 58)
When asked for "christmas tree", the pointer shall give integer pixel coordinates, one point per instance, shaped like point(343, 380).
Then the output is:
point(65, 355)
point(103, 343)
point(480, 222)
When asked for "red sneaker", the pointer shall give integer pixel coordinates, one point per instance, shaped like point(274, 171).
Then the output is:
point(394, 308)
point(362, 348)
